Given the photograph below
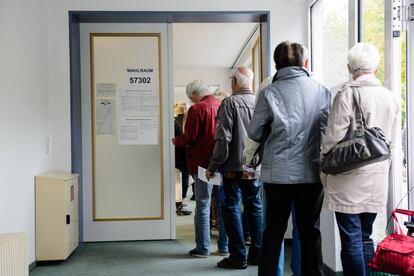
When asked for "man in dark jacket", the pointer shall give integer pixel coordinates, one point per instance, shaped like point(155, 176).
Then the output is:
point(233, 117)
point(290, 116)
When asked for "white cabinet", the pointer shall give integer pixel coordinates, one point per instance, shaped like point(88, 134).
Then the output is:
point(57, 233)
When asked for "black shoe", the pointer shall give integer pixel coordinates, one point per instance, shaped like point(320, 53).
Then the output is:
point(197, 254)
point(183, 212)
point(253, 261)
point(229, 263)
point(247, 241)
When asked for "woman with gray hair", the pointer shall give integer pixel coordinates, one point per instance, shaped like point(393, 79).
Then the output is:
point(358, 195)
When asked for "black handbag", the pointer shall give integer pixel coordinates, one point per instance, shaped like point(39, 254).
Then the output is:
point(359, 147)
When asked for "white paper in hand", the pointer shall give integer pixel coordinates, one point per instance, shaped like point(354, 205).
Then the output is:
point(215, 180)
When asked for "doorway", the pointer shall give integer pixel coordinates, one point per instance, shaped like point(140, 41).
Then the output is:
point(208, 52)
point(82, 153)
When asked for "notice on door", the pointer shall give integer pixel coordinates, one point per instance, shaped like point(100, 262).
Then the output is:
point(105, 90)
point(138, 117)
point(105, 116)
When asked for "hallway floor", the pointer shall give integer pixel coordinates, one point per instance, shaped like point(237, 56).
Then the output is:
point(169, 257)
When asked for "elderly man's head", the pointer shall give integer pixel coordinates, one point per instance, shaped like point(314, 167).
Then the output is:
point(290, 53)
point(242, 79)
point(363, 59)
point(197, 90)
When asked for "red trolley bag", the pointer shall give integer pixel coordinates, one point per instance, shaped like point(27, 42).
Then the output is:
point(395, 253)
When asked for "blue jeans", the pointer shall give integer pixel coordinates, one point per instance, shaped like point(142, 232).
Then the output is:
point(236, 190)
point(203, 193)
point(222, 242)
point(357, 248)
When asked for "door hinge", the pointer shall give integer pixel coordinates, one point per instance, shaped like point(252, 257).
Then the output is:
point(397, 17)
point(409, 11)
point(405, 12)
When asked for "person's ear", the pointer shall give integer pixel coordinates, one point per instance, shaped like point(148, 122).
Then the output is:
point(306, 64)
point(349, 69)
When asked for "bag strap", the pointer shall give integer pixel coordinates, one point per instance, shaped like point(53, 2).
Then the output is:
point(359, 115)
point(405, 212)
point(397, 227)
point(400, 211)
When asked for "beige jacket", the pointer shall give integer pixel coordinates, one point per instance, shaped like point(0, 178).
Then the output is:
point(364, 189)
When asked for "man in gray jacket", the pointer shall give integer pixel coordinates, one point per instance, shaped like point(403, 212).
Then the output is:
point(290, 117)
point(233, 117)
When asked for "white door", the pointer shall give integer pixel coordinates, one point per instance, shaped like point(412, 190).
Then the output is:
point(126, 132)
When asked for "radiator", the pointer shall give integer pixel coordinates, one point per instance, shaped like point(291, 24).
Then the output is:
point(13, 255)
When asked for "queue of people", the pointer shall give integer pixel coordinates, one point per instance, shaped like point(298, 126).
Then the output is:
point(276, 142)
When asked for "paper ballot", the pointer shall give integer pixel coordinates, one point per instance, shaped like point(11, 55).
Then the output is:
point(216, 180)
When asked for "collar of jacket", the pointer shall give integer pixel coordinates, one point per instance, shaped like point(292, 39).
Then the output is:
point(366, 80)
point(290, 72)
point(242, 91)
point(207, 97)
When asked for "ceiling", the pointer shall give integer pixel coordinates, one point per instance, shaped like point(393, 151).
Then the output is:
point(209, 44)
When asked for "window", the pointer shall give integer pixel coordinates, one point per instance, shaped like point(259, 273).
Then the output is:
point(330, 40)
point(372, 30)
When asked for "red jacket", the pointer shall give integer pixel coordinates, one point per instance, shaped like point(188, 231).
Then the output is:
point(199, 131)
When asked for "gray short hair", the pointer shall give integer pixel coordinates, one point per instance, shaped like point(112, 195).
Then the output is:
point(305, 53)
point(199, 87)
point(364, 58)
point(244, 79)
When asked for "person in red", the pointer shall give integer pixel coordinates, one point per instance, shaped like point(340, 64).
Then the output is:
point(198, 137)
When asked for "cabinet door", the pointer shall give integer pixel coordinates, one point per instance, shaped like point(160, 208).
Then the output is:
point(50, 219)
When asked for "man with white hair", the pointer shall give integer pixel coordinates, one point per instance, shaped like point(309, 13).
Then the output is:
point(198, 137)
point(233, 117)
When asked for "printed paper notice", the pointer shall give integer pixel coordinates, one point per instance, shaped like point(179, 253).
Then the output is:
point(105, 116)
point(138, 117)
point(106, 90)
point(215, 180)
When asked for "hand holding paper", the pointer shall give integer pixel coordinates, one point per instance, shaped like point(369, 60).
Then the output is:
point(209, 174)
point(215, 178)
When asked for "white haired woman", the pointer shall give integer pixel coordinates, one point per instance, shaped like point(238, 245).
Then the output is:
point(358, 195)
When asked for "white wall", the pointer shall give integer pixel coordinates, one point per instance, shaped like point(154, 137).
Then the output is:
point(34, 83)
point(24, 116)
point(282, 28)
point(212, 76)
